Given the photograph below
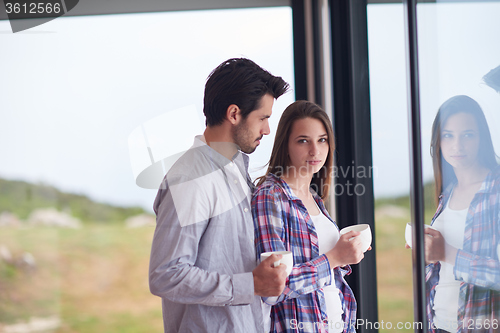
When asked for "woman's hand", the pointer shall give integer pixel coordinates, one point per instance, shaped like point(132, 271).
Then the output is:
point(346, 251)
point(437, 249)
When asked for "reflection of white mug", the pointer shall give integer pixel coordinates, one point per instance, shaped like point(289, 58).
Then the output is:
point(366, 234)
point(408, 234)
point(287, 259)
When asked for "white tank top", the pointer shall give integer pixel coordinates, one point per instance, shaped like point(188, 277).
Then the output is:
point(328, 236)
point(451, 224)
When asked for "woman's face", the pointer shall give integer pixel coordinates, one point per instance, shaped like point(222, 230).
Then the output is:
point(307, 147)
point(460, 141)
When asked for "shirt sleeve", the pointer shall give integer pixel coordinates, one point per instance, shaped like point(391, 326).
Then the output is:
point(476, 270)
point(271, 234)
point(481, 271)
point(431, 281)
point(180, 226)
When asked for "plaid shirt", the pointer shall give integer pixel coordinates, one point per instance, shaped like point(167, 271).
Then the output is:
point(477, 266)
point(282, 223)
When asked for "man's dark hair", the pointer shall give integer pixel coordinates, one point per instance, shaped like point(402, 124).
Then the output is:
point(241, 82)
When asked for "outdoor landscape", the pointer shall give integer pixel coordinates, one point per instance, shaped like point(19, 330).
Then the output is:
point(91, 275)
point(86, 278)
point(394, 262)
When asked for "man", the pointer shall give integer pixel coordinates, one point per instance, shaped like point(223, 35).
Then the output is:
point(203, 262)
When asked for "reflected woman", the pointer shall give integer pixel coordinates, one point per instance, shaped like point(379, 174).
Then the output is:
point(463, 272)
point(290, 216)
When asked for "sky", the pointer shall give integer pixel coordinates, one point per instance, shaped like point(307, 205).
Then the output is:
point(75, 92)
point(457, 47)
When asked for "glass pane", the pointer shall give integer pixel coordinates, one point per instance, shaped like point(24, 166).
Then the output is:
point(457, 48)
point(390, 159)
point(71, 94)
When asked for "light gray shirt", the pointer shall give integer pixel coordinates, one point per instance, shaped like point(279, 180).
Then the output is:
point(203, 250)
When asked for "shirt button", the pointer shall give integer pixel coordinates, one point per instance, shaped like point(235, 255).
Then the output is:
point(245, 209)
point(236, 181)
point(231, 164)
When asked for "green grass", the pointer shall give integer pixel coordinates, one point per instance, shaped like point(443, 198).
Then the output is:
point(29, 292)
point(93, 278)
point(394, 273)
point(394, 264)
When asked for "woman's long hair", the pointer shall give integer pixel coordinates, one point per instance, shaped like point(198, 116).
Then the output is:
point(280, 161)
point(443, 171)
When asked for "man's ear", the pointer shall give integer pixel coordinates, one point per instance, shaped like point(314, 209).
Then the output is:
point(233, 114)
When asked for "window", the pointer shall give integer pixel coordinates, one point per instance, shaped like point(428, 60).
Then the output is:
point(72, 91)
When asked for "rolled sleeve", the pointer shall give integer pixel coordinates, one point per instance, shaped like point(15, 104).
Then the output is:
point(476, 270)
point(308, 277)
point(269, 223)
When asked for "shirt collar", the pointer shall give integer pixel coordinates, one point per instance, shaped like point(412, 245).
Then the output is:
point(490, 183)
point(240, 159)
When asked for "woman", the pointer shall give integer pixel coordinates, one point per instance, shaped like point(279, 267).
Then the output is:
point(463, 275)
point(289, 216)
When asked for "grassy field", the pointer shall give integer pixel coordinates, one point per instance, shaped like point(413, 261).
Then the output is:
point(394, 266)
point(394, 273)
point(95, 278)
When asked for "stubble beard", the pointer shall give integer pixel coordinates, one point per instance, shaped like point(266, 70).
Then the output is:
point(242, 137)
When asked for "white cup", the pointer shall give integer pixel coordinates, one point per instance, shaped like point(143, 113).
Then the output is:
point(287, 259)
point(366, 234)
point(408, 233)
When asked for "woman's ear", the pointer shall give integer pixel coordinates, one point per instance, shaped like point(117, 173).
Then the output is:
point(233, 114)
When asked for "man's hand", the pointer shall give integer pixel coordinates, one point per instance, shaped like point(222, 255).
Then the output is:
point(269, 280)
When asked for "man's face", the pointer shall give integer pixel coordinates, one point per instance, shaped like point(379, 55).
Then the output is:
point(248, 133)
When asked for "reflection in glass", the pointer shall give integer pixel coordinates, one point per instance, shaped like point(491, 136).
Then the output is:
point(462, 250)
point(456, 58)
point(457, 48)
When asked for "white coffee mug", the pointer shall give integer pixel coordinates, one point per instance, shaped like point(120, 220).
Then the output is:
point(408, 233)
point(287, 259)
point(366, 234)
